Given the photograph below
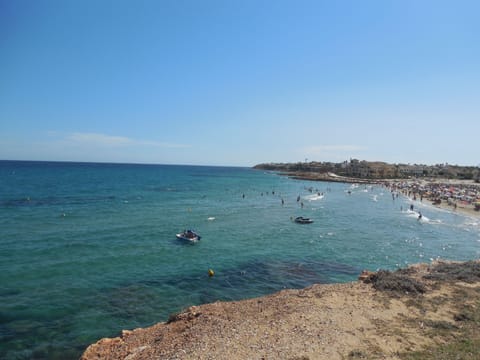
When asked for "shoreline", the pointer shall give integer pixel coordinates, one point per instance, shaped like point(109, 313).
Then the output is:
point(416, 193)
point(327, 177)
point(383, 315)
point(461, 207)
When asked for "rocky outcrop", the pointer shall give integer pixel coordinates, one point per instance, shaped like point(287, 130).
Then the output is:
point(379, 317)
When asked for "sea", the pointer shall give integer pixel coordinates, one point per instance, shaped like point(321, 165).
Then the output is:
point(88, 249)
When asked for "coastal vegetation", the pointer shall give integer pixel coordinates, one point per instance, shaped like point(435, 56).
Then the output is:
point(462, 339)
point(454, 340)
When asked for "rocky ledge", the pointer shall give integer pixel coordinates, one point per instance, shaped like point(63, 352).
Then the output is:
point(382, 316)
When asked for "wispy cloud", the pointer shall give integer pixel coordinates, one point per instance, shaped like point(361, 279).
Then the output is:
point(318, 149)
point(102, 140)
point(331, 152)
point(162, 144)
point(98, 139)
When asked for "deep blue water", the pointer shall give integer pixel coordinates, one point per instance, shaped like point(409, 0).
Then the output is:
point(87, 250)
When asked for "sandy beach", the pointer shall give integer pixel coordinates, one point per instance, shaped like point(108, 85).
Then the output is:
point(409, 185)
point(462, 208)
point(377, 318)
point(410, 188)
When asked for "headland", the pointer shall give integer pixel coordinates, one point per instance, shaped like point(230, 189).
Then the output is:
point(424, 311)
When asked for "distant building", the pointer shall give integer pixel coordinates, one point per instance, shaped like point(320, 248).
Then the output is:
point(411, 170)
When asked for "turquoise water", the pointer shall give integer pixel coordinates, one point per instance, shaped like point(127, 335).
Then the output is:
point(89, 249)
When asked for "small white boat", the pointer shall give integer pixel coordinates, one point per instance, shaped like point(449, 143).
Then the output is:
point(189, 235)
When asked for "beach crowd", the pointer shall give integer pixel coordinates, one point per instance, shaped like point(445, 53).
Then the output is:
point(452, 193)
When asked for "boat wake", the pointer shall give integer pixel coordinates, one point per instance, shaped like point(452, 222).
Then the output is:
point(314, 197)
point(416, 215)
point(422, 219)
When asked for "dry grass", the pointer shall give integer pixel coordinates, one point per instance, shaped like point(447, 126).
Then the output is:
point(398, 283)
point(468, 272)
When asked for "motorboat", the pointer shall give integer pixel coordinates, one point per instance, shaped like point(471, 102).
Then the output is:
point(303, 220)
point(188, 235)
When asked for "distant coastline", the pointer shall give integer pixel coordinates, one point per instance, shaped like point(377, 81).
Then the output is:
point(328, 177)
point(368, 171)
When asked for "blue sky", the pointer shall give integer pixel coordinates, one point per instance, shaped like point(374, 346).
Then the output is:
point(240, 82)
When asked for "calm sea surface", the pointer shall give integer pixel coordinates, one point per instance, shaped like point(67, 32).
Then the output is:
point(89, 249)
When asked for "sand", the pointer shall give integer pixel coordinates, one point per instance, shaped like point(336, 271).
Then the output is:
point(462, 208)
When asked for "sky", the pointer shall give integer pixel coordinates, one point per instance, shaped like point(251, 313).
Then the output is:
point(240, 82)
